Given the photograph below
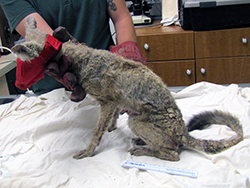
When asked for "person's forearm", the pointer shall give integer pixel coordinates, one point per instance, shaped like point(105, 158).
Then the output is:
point(122, 20)
point(41, 24)
point(125, 31)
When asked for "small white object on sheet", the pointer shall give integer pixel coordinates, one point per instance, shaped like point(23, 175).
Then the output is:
point(39, 135)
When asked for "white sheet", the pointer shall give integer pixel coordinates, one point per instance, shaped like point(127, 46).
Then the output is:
point(39, 135)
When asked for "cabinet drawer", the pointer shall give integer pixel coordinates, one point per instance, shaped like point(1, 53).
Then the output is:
point(222, 43)
point(165, 43)
point(175, 73)
point(224, 70)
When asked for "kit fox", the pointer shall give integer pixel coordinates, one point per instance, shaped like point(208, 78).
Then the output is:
point(118, 83)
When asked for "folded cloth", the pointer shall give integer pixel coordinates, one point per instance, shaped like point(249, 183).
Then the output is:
point(170, 12)
point(171, 20)
point(169, 8)
point(29, 72)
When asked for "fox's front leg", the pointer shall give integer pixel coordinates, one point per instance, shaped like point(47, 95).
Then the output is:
point(107, 118)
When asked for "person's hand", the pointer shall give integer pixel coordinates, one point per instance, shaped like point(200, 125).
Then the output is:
point(61, 69)
point(129, 50)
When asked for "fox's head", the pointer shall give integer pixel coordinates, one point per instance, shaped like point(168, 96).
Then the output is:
point(34, 41)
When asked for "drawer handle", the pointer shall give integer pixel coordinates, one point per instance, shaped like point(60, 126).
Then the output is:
point(244, 40)
point(146, 46)
point(189, 72)
point(203, 70)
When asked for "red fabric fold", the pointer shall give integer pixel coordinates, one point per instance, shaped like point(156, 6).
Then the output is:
point(29, 72)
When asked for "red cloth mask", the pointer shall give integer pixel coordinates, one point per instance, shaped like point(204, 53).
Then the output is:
point(29, 72)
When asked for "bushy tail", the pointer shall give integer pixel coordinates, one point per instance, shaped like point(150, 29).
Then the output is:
point(202, 120)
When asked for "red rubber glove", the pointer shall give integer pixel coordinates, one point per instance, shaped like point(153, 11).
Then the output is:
point(129, 50)
point(61, 70)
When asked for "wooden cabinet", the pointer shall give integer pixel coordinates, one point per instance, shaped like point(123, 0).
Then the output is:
point(223, 56)
point(165, 43)
point(223, 70)
point(182, 58)
point(169, 52)
point(175, 73)
point(222, 43)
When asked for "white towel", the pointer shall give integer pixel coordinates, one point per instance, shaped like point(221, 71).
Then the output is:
point(169, 12)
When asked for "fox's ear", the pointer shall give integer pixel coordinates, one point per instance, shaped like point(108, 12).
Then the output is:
point(30, 23)
point(24, 52)
point(19, 48)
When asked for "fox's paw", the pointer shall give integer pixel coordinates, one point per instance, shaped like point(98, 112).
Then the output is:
point(82, 154)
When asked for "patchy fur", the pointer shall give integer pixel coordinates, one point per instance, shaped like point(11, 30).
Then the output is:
point(118, 83)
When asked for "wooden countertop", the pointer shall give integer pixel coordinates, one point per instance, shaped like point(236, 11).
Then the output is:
point(158, 29)
point(7, 63)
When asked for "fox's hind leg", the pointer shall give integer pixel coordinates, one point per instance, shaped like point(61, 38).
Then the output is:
point(166, 154)
point(159, 144)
